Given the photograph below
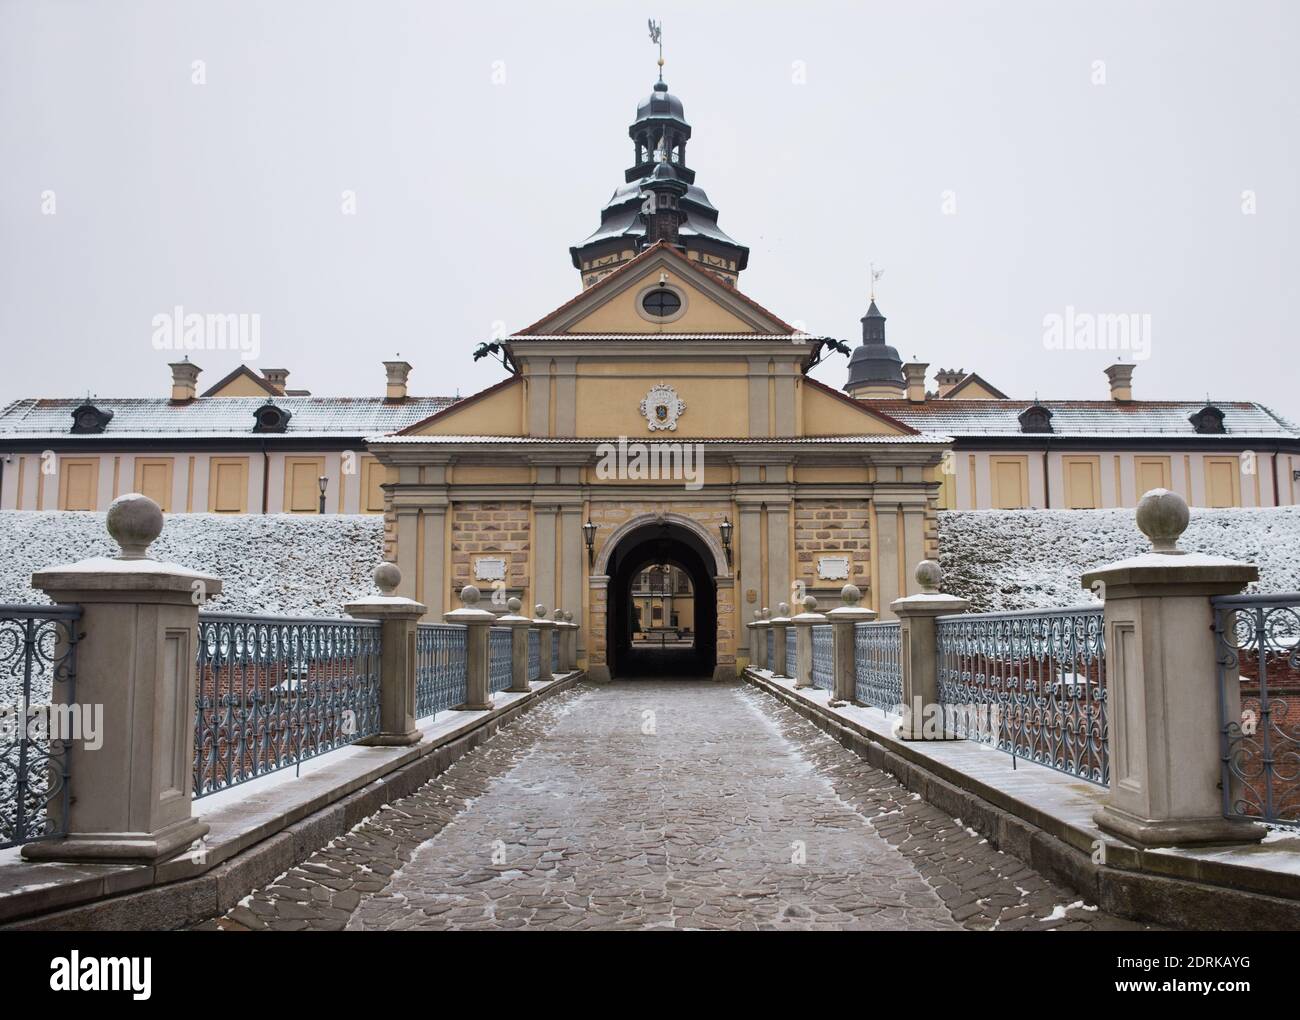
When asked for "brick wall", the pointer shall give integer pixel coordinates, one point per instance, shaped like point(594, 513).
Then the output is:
point(490, 529)
point(832, 526)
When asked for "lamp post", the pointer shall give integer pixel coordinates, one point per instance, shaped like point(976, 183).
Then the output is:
point(725, 529)
point(589, 536)
point(323, 481)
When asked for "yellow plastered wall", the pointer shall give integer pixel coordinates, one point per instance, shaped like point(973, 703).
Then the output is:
point(716, 395)
point(499, 413)
point(301, 484)
point(78, 483)
point(1082, 482)
point(373, 476)
point(1222, 481)
point(153, 478)
point(241, 386)
point(825, 415)
point(1151, 473)
point(1009, 477)
point(228, 485)
point(620, 314)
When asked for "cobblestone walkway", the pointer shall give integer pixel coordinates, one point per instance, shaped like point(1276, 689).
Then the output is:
point(656, 804)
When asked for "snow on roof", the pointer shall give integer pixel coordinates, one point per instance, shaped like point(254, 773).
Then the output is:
point(705, 441)
point(1091, 418)
point(217, 417)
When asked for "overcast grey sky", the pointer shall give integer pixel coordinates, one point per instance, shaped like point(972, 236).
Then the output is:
point(1117, 197)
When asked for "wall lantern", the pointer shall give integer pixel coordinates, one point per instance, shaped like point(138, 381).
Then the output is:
point(589, 536)
point(725, 529)
point(323, 481)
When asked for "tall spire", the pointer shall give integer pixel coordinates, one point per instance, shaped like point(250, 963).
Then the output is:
point(659, 136)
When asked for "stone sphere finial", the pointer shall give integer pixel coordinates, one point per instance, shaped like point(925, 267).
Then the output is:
point(767, 613)
point(558, 616)
point(568, 616)
point(539, 611)
point(809, 604)
point(514, 605)
point(929, 576)
point(783, 608)
point(470, 595)
point(134, 521)
point(387, 577)
point(1162, 516)
point(850, 595)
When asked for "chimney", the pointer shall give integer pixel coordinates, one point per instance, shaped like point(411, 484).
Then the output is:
point(397, 375)
point(185, 380)
point(277, 377)
point(1120, 375)
point(914, 373)
point(946, 379)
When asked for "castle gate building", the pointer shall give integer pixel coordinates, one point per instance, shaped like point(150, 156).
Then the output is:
point(661, 417)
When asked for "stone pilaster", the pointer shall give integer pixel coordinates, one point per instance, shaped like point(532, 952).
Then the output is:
point(803, 624)
point(478, 624)
point(923, 719)
point(1165, 753)
point(132, 796)
point(844, 619)
point(398, 619)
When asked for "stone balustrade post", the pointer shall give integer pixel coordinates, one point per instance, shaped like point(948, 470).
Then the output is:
point(131, 792)
point(844, 620)
point(398, 619)
point(803, 624)
point(923, 716)
point(781, 628)
point(758, 639)
point(561, 640)
point(569, 646)
point(478, 624)
point(546, 634)
point(1162, 696)
point(518, 646)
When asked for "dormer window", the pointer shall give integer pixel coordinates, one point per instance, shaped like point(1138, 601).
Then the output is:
point(90, 420)
point(271, 418)
point(1035, 419)
point(1208, 421)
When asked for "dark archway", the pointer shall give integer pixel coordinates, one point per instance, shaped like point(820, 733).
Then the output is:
point(662, 542)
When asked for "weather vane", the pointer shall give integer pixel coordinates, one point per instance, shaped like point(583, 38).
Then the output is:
point(876, 274)
point(657, 37)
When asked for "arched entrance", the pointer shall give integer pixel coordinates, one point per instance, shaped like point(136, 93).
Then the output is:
point(656, 548)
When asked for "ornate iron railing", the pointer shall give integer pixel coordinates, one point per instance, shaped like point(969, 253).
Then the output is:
point(771, 649)
point(791, 650)
point(1031, 683)
point(1258, 642)
point(555, 650)
point(823, 656)
point(274, 691)
point(534, 653)
point(878, 664)
point(39, 719)
point(441, 672)
point(499, 652)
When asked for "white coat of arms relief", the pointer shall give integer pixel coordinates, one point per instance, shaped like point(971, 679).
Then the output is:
point(661, 408)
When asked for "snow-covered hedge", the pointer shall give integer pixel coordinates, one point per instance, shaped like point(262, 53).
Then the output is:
point(1032, 559)
point(275, 563)
point(310, 565)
